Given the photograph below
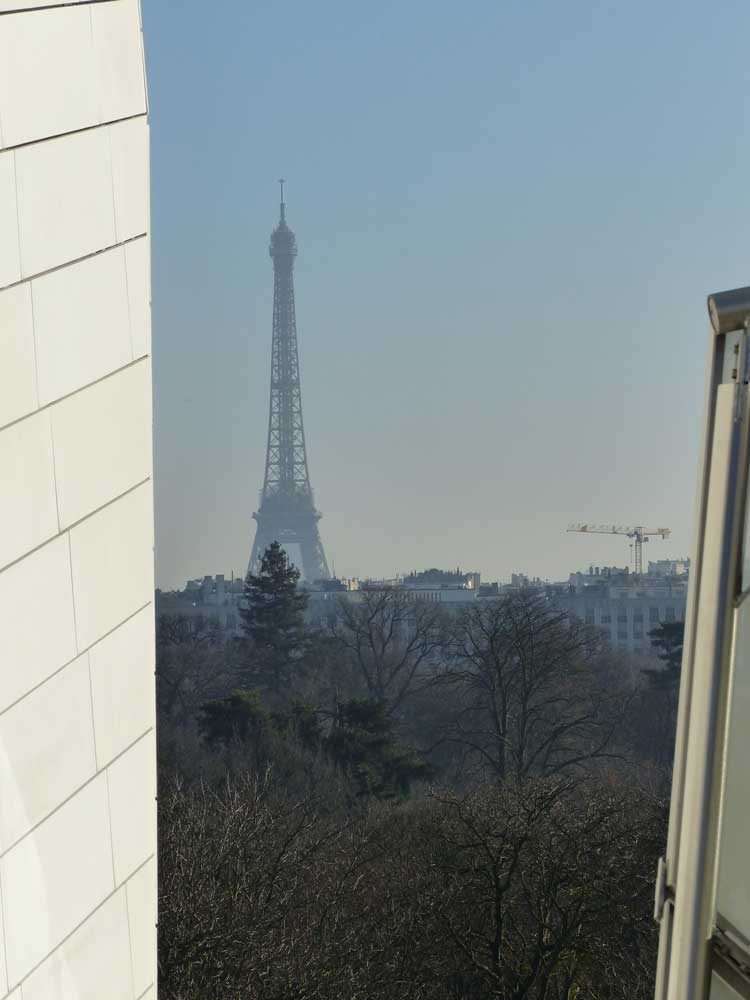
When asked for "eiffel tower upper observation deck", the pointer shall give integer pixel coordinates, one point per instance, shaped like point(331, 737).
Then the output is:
point(287, 511)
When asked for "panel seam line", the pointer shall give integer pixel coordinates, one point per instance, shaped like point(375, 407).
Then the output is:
point(85, 920)
point(69, 798)
point(68, 662)
point(53, 6)
point(75, 524)
point(67, 263)
point(74, 392)
point(73, 131)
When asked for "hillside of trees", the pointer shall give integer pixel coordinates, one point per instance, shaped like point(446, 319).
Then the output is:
point(407, 804)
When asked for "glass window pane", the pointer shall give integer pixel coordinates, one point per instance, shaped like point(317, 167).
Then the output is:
point(721, 990)
point(733, 889)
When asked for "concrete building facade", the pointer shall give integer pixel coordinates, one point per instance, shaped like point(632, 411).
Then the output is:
point(77, 753)
point(208, 599)
point(624, 606)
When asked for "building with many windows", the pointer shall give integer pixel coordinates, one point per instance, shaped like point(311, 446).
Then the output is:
point(625, 606)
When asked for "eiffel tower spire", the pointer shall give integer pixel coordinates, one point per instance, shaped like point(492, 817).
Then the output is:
point(287, 511)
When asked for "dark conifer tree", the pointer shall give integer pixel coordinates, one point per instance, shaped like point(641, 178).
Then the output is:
point(240, 716)
point(362, 743)
point(273, 620)
point(667, 639)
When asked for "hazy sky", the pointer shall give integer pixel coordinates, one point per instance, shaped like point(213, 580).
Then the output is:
point(508, 215)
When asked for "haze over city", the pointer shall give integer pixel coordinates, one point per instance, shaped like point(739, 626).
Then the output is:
point(501, 321)
point(373, 627)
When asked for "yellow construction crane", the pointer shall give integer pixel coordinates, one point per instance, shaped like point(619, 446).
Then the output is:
point(639, 534)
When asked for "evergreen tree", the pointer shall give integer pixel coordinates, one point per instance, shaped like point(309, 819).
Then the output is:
point(240, 716)
point(668, 639)
point(302, 722)
point(273, 620)
point(363, 745)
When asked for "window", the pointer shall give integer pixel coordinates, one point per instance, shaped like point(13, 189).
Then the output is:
point(622, 618)
point(606, 619)
point(653, 614)
point(589, 616)
point(638, 617)
point(669, 615)
point(622, 633)
point(637, 633)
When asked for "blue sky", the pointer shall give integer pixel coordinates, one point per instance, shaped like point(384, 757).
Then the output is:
point(508, 215)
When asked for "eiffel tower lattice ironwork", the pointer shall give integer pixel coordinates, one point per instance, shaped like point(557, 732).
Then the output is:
point(287, 511)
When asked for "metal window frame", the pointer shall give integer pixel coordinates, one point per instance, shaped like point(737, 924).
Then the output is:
point(690, 946)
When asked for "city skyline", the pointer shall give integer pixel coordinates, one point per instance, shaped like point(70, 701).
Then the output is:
point(502, 314)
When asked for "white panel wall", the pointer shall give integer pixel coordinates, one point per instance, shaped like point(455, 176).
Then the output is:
point(10, 256)
point(77, 748)
point(71, 308)
point(18, 394)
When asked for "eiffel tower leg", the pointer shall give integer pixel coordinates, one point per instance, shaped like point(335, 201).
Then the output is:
point(300, 530)
point(313, 556)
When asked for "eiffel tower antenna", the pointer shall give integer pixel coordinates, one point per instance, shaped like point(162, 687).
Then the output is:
point(287, 513)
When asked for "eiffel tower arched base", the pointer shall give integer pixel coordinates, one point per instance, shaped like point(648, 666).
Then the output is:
point(298, 534)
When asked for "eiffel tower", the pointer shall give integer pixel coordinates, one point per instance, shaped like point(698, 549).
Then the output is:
point(287, 513)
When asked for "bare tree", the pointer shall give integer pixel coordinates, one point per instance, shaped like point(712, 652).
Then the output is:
point(194, 663)
point(237, 866)
point(538, 891)
point(395, 642)
point(549, 888)
point(530, 699)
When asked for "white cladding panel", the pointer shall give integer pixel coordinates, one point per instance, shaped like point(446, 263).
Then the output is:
point(77, 748)
point(132, 799)
point(55, 877)
point(3, 970)
point(138, 268)
point(122, 695)
point(120, 78)
point(98, 453)
point(47, 70)
point(142, 913)
point(28, 652)
point(10, 256)
point(27, 498)
point(46, 750)
point(129, 141)
point(65, 193)
point(70, 68)
point(18, 393)
point(112, 560)
point(81, 323)
point(22, 5)
point(81, 969)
